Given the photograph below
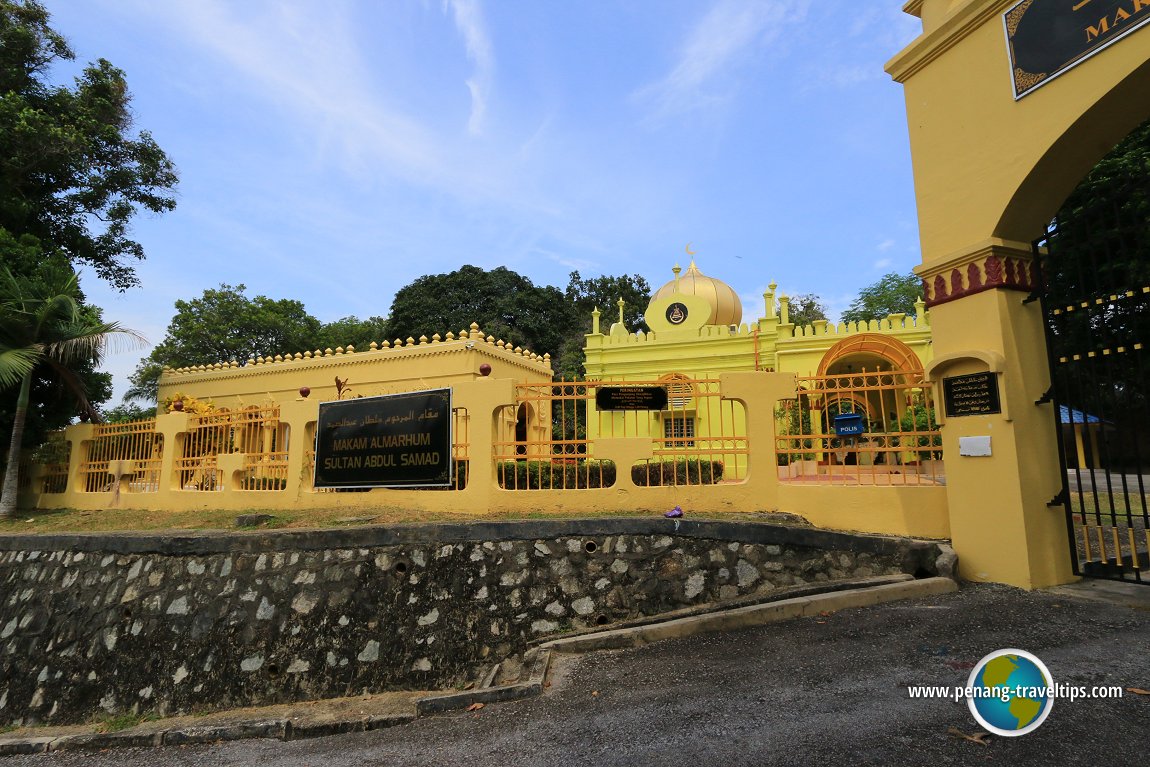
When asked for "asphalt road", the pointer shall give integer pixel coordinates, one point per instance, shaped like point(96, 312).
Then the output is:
point(829, 690)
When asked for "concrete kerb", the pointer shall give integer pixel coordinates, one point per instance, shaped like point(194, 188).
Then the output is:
point(753, 615)
point(536, 662)
point(536, 665)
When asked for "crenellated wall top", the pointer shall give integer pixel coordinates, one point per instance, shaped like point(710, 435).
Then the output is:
point(892, 323)
point(468, 339)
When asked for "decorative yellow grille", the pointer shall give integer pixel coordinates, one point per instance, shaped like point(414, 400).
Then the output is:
point(546, 440)
point(900, 443)
point(114, 443)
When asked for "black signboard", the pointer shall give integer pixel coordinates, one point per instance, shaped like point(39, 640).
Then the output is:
point(631, 398)
point(676, 313)
point(396, 440)
point(975, 394)
point(1047, 37)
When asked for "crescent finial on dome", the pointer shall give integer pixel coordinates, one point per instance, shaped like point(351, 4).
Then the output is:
point(726, 308)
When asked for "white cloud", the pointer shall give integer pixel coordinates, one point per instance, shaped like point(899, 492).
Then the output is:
point(578, 264)
point(725, 36)
point(882, 263)
point(306, 61)
point(468, 17)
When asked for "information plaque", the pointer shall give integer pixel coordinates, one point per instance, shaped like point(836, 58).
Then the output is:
point(975, 394)
point(631, 398)
point(395, 440)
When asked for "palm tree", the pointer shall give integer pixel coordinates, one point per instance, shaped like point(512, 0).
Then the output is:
point(42, 326)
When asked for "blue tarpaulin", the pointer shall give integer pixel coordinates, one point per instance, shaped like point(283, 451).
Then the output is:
point(1070, 415)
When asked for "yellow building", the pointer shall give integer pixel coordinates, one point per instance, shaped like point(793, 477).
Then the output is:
point(387, 368)
point(697, 332)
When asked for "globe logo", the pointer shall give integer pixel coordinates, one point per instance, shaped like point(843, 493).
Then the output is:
point(1010, 692)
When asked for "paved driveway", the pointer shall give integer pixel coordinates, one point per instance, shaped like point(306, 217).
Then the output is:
point(829, 690)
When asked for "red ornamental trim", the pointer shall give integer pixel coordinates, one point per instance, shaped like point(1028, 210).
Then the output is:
point(996, 272)
point(993, 270)
point(973, 277)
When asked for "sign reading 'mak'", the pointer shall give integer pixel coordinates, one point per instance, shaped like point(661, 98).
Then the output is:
point(394, 440)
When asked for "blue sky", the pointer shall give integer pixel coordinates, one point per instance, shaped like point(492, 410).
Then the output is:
point(334, 152)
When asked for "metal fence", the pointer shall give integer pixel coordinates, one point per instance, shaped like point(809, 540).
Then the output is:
point(547, 438)
point(866, 428)
point(1094, 282)
point(135, 441)
point(255, 431)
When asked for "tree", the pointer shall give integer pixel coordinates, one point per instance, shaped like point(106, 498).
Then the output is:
point(43, 326)
point(602, 293)
point(892, 294)
point(51, 404)
point(503, 303)
point(352, 331)
point(1096, 258)
point(72, 176)
point(805, 309)
point(127, 412)
point(223, 325)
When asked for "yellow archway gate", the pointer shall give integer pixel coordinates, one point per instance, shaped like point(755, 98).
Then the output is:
point(997, 146)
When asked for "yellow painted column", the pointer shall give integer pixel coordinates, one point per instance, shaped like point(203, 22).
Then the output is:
point(1001, 526)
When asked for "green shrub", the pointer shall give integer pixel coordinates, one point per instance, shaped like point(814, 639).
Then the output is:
point(681, 471)
point(459, 480)
point(589, 473)
point(555, 475)
point(921, 418)
point(251, 482)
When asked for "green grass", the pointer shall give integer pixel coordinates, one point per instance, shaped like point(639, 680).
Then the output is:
point(118, 722)
point(1088, 503)
point(138, 520)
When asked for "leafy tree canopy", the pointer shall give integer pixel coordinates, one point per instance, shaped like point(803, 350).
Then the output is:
point(805, 309)
point(224, 324)
point(505, 304)
point(72, 175)
point(603, 293)
point(893, 293)
point(351, 330)
point(52, 405)
point(45, 330)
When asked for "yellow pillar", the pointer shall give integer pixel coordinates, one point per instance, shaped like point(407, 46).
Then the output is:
point(1001, 525)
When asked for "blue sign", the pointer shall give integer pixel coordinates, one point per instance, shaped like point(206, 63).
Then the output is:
point(849, 424)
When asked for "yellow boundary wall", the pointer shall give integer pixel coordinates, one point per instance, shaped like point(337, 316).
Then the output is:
point(913, 511)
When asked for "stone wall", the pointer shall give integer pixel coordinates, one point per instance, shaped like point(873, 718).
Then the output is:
point(106, 624)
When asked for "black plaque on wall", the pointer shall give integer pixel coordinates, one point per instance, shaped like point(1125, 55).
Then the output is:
point(1048, 37)
point(395, 440)
point(631, 398)
point(975, 394)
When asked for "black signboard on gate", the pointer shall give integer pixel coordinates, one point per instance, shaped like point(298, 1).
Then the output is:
point(395, 440)
point(631, 398)
point(975, 394)
point(1048, 37)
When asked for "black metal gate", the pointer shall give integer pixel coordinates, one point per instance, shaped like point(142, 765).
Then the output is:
point(1095, 276)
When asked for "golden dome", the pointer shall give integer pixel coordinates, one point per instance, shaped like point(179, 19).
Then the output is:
point(726, 308)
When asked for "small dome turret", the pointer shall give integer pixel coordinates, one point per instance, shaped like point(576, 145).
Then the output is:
point(726, 308)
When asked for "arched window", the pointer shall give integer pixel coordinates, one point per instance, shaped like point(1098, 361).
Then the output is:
point(680, 390)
